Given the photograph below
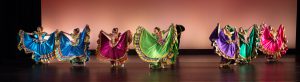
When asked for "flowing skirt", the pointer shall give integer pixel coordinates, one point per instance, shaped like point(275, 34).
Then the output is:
point(150, 50)
point(66, 50)
point(248, 50)
point(271, 44)
point(43, 51)
point(221, 43)
point(106, 52)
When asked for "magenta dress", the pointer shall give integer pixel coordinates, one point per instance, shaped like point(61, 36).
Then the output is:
point(118, 53)
point(273, 42)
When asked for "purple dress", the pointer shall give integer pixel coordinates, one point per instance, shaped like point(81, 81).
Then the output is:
point(224, 44)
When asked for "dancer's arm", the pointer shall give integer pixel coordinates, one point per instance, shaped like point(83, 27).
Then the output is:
point(30, 33)
point(66, 33)
point(165, 31)
point(46, 34)
point(106, 34)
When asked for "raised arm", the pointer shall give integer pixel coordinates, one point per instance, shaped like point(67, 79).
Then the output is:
point(106, 34)
point(30, 33)
point(50, 34)
point(66, 33)
point(165, 31)
point(46, 34)
point(250, 30)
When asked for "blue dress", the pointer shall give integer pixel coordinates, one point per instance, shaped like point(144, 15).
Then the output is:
point(68, 50)
point(43, 50)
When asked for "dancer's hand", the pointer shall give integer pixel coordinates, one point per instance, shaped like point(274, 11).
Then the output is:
point(98, 41)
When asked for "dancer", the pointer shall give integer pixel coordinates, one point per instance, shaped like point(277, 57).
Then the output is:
point(113, 47)
point(224, 42)
point(75, 51)
point(179, 30)
point(155, 49)
point(248, 44)
point(42, 49)
point(273, 44)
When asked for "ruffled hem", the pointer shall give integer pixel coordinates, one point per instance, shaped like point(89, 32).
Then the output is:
point(142, 55)
point(254, 55)
point(220, 53)
point(60, 57)
point(277, 53)
point(124, 58)
point(254, 52)
point(100, 57)
point(45, 58)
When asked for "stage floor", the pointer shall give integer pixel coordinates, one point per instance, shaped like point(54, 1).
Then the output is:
point(198, 68)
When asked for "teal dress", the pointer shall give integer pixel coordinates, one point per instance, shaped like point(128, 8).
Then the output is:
point(248, 45)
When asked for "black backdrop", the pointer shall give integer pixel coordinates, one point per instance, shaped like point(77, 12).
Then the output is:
point(19, 14)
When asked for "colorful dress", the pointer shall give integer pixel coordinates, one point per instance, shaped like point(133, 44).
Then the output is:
point(224, 43)
point(150, 49)
point(43, 50)
point(116, 53)
point(248, 44)
point(75, 52)
point(273, 44)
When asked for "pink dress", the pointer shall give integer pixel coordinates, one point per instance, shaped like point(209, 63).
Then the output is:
point(273, 42)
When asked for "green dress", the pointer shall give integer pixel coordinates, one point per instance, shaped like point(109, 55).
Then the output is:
point(247, 49)
point(151, 50)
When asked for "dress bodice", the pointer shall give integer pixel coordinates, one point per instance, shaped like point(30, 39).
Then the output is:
point(36, 35)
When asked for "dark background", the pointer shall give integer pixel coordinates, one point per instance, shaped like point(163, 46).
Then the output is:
point(19, 14)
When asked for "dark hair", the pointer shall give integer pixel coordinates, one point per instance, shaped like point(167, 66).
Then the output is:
point(157, 28)
point(77, 29)
point(87, 27)
point(180, 28)
point(269, 27)
point(115, 29)
point(241, 29)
